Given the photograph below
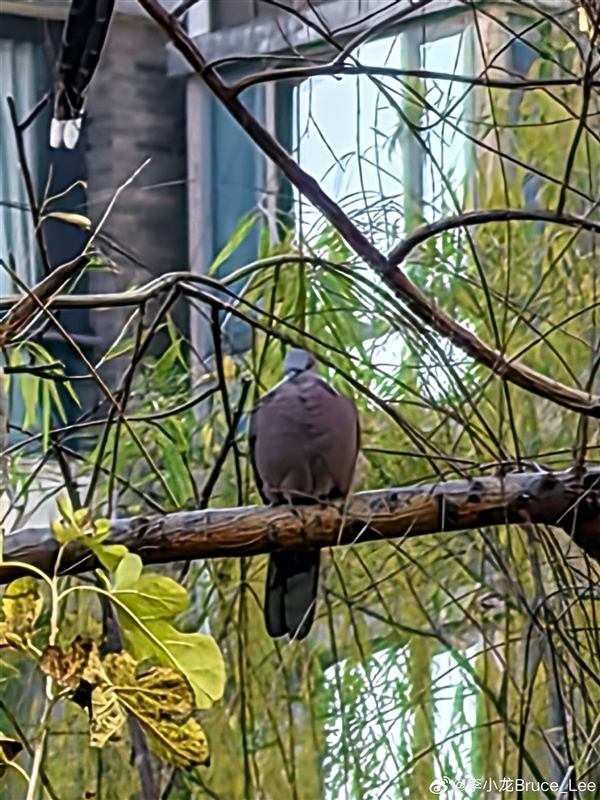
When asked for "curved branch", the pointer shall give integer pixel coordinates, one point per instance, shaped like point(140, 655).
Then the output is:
point(469, 218)
point(163, 283)
point(563, 499)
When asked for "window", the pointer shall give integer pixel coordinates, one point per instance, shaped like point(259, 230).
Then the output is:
point(388, 160)
point(22, 77)
point(391, 161)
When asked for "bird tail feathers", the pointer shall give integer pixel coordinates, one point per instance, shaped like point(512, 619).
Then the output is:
point(291, 594)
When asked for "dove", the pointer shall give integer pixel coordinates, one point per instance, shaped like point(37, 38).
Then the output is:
point(304, 440)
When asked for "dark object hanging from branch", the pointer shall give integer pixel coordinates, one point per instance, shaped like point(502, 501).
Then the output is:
point(83, 38)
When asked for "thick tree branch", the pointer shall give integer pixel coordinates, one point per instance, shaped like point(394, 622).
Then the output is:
point(422, 306)
point(563, 499)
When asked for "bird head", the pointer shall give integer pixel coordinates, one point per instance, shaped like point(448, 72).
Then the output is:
point(297, 361)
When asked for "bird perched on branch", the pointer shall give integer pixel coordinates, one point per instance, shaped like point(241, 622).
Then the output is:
point(83, 38)
point(304, 439)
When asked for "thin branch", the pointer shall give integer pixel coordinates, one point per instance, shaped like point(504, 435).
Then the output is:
point(581, 125)
point(34, 113)
point(562, 499)
point(374, 30)
point(301, 73)
point(230, 440)
point(28, 180)
point(232, 424)
point(142, 756)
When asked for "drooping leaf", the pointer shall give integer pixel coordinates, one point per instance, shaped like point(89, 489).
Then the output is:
point(153, 599)
point(157, 692)
point(30, 385)
point(242, 230)
point(81, 663)
point(21, 606)
point(165, 363)
point(178, 745)
point(81, 671)
point(196, 655)
point(106, 716)
point(163, 702)
point(72, 219)
point(175, 472)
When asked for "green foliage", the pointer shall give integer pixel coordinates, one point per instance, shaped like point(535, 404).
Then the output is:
point(78, 526)
point(150, 600)
point(36, 374)
point(241, 231)
point(164, 699)
point(22, 604)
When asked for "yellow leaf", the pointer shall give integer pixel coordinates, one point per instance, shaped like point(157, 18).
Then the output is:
point(178, 745)
point(22, 604)
point(69, 669)
point(72, 219)
point(106, 716)
point(228, 367)
point(162, 700)
point(585, 23)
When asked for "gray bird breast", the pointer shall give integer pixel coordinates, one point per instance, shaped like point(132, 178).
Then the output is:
point(304, 441)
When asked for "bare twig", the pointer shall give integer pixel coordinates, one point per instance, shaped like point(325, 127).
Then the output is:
point(314, 70)
point(230, 439)
point(35, 112)
point(28, 180)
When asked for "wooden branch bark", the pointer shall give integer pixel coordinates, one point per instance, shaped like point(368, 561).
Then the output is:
point(563, 499)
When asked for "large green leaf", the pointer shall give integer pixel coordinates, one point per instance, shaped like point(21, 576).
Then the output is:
point(151, 600)
point(149, 596)
point(196, 655)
